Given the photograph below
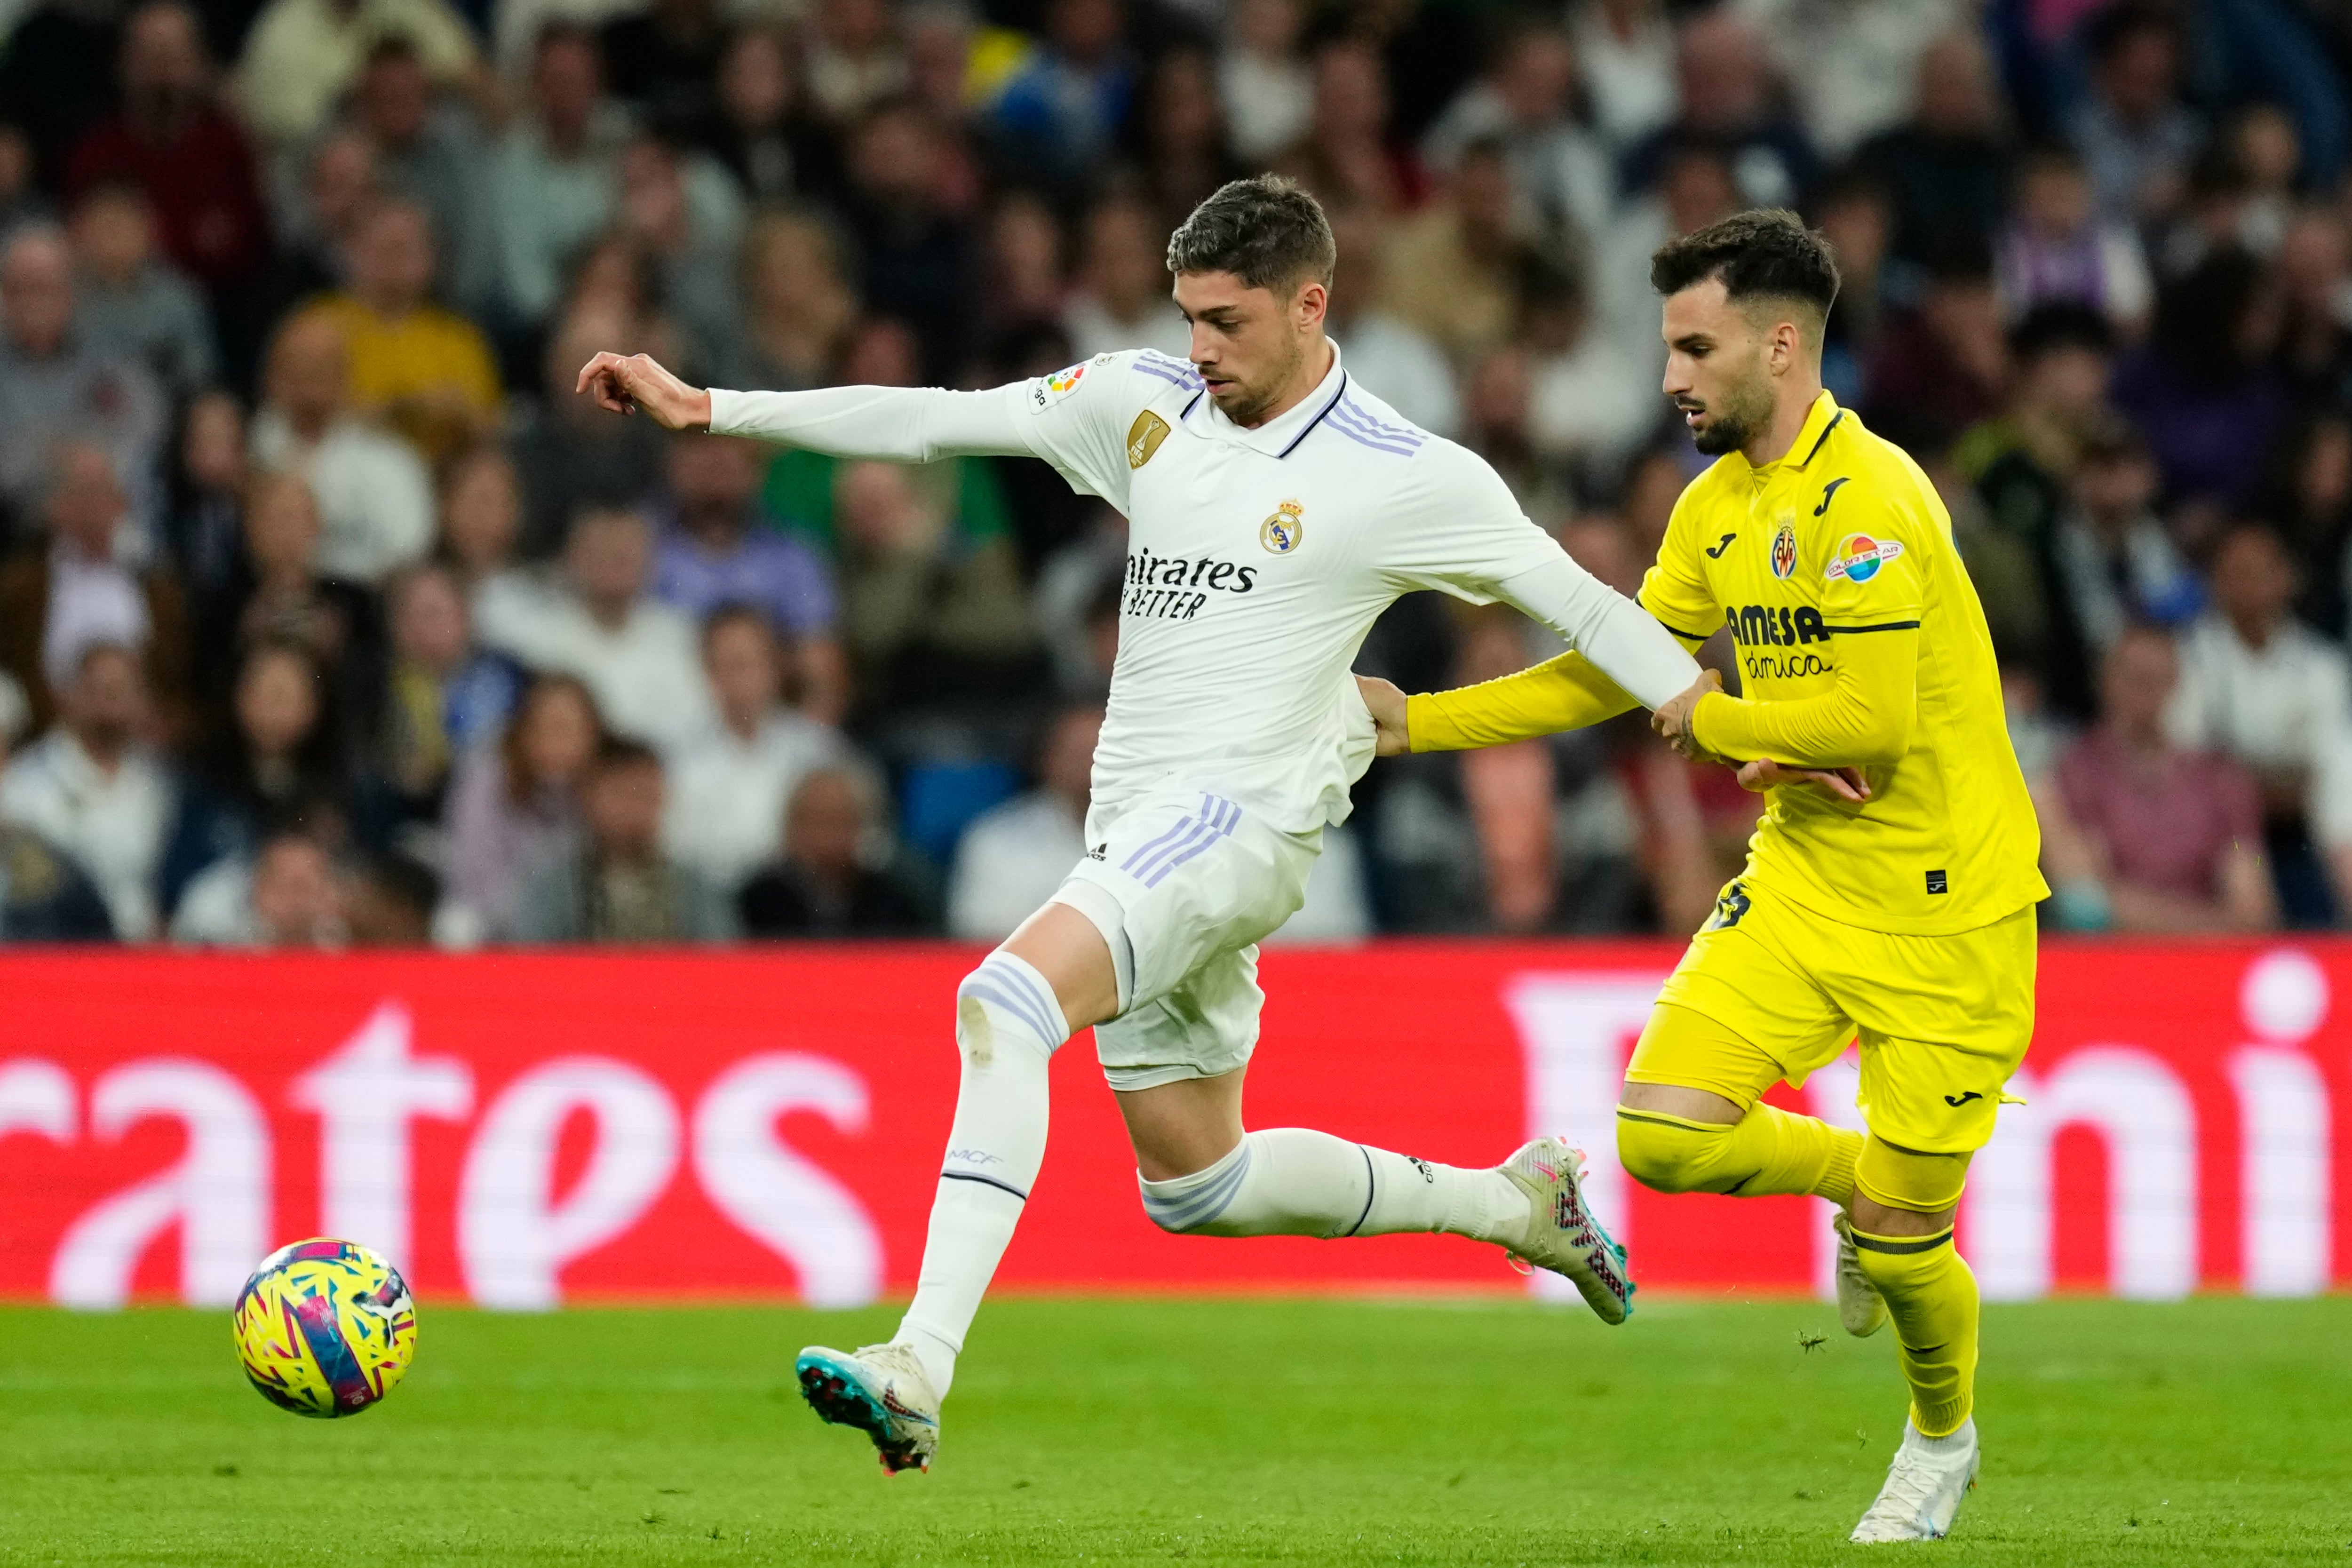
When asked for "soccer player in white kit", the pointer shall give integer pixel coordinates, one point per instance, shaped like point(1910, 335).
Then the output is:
point(1275, 509)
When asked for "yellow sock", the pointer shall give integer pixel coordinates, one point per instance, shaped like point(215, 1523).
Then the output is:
point(1768, 1151)
point(1931, 1295)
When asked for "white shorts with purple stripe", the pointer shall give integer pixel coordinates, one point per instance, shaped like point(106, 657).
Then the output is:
point(1182, 884)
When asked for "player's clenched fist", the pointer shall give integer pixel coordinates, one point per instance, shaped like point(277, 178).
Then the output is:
point(626, 383)
point(1673, 721)
point(1387, 702)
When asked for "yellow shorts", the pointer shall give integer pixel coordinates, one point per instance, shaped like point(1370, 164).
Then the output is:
point(1943, 1020)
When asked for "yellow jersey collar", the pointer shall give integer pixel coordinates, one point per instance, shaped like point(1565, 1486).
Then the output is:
point(1819, 420)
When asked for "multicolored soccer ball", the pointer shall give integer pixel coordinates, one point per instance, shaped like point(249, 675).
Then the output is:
point(325, 1328)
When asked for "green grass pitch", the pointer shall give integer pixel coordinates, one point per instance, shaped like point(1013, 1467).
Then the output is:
point(1203, 1432)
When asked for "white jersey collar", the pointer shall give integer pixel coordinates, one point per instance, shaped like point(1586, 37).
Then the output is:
point(1277, 437)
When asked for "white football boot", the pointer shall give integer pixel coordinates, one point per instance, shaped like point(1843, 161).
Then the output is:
point(1924, 1488)
point(881, 1390)
point(1860, 1308)
point(1562, 1233)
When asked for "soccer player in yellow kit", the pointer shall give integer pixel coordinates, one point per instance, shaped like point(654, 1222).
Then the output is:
point(1889, 890)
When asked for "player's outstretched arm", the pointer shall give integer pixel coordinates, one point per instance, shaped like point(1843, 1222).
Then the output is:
point(1865, 721)
point(901, 424)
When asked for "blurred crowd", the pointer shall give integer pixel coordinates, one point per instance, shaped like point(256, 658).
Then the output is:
point(329, 614)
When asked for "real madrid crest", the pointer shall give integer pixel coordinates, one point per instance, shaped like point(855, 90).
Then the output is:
point(1281, 532)
point(1784, 548)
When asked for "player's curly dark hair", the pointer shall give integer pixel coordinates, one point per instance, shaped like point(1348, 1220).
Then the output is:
point(1764, 253)
point(1264, 230)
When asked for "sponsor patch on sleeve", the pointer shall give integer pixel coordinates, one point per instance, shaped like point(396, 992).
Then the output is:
point(1858, 557)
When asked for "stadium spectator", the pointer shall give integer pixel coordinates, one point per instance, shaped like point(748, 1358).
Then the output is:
point(1855, 215)
point(1694, 188)
point(1397, 361)
point(2175, 834)
point(44, 896)
point(1625, 52)
point(92, 790)
point(681, 210)
point(175, 143)
point(1267, 91)
point(73, 590)
point(855, 60)
point(204, 503)
point(601, 623)
point(662, 59)
point(130, 304)
point(2112, 561)
point(303, 55)
point(426, 151)
point(481, 524)
point(798, 307)
point(728, 786)
point(1059, 114)
point(1730, 106)
point(2201, 389)
point(319, 212)
point(389, 901)
point(58, 76)
point(373, 493)
point(1451, 269)
point(1560, 171)
point(554, 174)
point(280, 765)
point(54, 387)
point(1942, 368)
point(1498, 423)
point(568, 454)
point(286, 896)
point(932, 608)
point(423, 371)
point(718, 548)
point(2136, 135)
point(916, 257)
point(777, 153)
point(1025, 293)
point(279, 595)
point(1589, 402)
point(2310, 497)
point(2057, 246)
point(1857, 71)
point(2314, 266)
point(1179, 135)
point(2263, 145)
point(444, 696)
point(836, 877)
point(1014, 855)
point(1122, 300)
point(1946, 167)
point(2258, 685)
point(515, 804)
point(618, 886)
point(1348, 157)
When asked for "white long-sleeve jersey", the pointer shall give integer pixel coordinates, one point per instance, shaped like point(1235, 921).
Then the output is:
point(1257, 559)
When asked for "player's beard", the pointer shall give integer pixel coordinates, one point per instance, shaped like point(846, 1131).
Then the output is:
point(1246, 404)
point(1739, 413)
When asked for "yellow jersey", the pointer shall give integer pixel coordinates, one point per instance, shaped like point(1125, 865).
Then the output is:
point(1860, 643)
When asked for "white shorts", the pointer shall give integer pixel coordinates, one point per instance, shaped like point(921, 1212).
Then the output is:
point(1182, 884)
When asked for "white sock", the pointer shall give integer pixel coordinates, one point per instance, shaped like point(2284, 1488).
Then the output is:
point(1292, 1181)
point(1959, 1441)
point(1008, 1026)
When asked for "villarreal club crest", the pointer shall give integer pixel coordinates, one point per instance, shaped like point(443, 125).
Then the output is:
point(1784, 550)
point(325, 1328)
point(1282, 532)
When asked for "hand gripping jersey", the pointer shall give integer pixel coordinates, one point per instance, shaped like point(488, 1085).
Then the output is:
point(1257, 559)
point(1860, 642)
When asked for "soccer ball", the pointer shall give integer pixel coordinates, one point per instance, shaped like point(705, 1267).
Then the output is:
point(325, 1328)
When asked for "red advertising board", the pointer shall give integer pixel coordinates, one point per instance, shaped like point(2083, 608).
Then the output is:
point(523, 1131)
